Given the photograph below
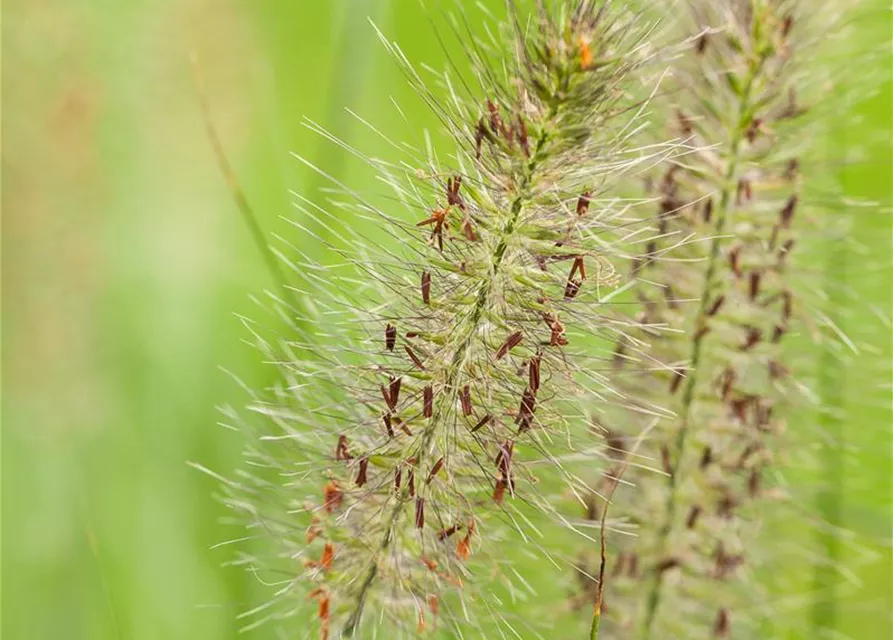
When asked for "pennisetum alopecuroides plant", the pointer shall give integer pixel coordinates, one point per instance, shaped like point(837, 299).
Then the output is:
point(431, 385)
point(696, 564)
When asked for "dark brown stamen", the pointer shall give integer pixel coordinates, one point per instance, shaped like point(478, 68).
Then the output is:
point(428, 401)
point(426, 287)
point(414, 357)
point(465, 399)
point(361, 473)
point(483, 421)
point(510, 343)
point(437, 467)
point(583, 203)
point(420, 513)
point(533, 373)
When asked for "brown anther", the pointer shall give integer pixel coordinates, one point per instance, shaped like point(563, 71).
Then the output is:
point(479, 134)
point(332, 497)
point(361, 472)
point(452, 192)
point(523, 138)
point(420, 513)
point(428, 401)
point(670, 296)
point(785, 250)
point(745, 191)
point(678, 375)
point(665, 460)
point(716, 306)
point(778, 333)
point(499, 490)
point(426, 287)
point(394, 390)
point(722, 626)
point(583, 203)
point(398, 477)
point(443, 534)
point(414, 357)
point(756, 125)
point(510, 343)
point(390, 337)
point(749, 450)
point(633, 565)
point(465, 400)
point(787, 308)
point(483, 421)
point(410, 482)
point(666, 564)
point(579, 265)
point(787, 212)
point(725, 564)
point(786, 26)
point(388, 400)
point(685, 123)
point(328, 555)
point(753, 483)
point(777, 370)
point(572, 289)
point(708, 210)
point(313, 531)
point(341, 452)
point(754, 336)
point(526, 410)
point(701, 44)
point(692, 519)
point(386, 418)
point(533, 373)
point(754, 284)
point(437, 467)
point(619, 354)
point(433, 604)
point(727, 382)
point(463, 548)
point(726, 506)
point(557, 338)
point(739, 408)
point(706, 457)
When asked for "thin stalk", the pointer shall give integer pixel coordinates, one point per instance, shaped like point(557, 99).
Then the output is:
point(725, 210)
point(238, 194)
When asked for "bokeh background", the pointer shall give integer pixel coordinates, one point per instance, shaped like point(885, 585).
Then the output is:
point(125, 263)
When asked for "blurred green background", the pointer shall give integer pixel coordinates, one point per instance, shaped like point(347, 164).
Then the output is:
point(125, 260)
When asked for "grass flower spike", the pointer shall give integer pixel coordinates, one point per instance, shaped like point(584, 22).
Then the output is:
point(741, 98)
point(431, 388)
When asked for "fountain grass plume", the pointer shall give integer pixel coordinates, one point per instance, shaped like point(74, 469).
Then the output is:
point(431, 384)
point(757, 190)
